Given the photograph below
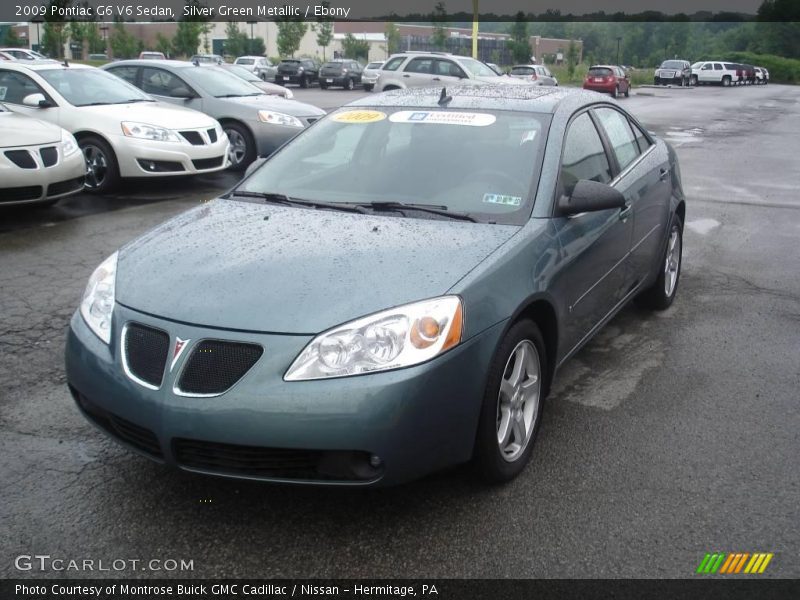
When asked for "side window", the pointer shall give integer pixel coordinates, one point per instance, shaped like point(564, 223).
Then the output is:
point(420, 65)
point(706, 67)
point(717, 67)
point(393, 64)
point(618, 130)
point(15, 86)
point(163, 83)
point(126, 73)
point(584, 156)
point(449, 69)
point(641, 138)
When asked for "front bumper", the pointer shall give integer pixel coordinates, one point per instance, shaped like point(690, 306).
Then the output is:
point(40, 184)
point(416, 420)
point(145, 158)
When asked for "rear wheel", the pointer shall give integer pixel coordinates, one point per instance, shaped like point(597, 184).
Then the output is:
point(661, 294)
point(512, 404)
point(628, 92)
point(349, 84)
point(242, 149)
point(726, 81)
point(323, 86)
point(102, 170)
point(368, 87)
point(615, 92)
point(303, 82)
point(694, 80)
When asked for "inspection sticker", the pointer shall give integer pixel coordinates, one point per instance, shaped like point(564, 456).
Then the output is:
point(359, 116)
point(443, 117)
point(502, 199)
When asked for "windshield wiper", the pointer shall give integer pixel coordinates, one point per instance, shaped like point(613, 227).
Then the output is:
point(428, 208)
point(238, 95)
point(285, 200)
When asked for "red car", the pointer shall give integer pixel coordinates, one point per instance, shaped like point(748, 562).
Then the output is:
point(608, 79)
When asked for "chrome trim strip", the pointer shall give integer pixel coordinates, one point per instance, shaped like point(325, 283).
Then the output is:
point(123, 357)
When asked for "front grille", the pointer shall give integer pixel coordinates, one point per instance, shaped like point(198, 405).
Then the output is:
point(274, 463)
point(49, 156)
point(160, 166)
point(21, 158)
point(193, 137)
point(137, 436)
point(212, 135)
point(64, 187)
point(145, 353)
point(214, 366)
point(19, 194)
point(208, 163)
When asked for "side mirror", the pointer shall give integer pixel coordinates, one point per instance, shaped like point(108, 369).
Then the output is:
point(183, 92)
point(37, 100)
point(589, 196)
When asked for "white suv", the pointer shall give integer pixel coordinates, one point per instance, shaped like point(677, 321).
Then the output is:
point(418, 69)
point(714, 72)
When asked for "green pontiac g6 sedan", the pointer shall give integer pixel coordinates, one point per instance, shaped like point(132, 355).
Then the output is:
point(391, 293)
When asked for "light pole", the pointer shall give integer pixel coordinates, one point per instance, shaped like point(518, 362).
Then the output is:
point(38, 20)
point(104, 29)
point(251, 23)
point(474, 28)
point(619, 39)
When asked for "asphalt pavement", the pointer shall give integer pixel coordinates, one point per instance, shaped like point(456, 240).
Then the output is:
point(667, 437)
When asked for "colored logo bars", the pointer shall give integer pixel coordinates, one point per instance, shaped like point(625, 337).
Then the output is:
point(734, 562)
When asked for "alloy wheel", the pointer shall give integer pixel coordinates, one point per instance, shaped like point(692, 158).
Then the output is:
point(96, 166)
point(672, 264)
point(518, 400)
point(238, 146)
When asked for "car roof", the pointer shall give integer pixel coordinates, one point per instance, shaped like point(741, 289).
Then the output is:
point(604, 66)
point(249, 56)
point(144, 62)
point(44, 65)
point(522, 98)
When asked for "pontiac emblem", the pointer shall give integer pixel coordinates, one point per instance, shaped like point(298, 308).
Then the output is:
point(180, 346)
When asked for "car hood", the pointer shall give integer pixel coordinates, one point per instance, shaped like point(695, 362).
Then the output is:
point(19, 130)
point(159, 114)
point(266, 268)
point(290, 107)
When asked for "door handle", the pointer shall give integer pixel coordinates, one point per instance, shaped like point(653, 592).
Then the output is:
point(406, 75)
point(624, 213)
point(435, 79)
point(662, 173)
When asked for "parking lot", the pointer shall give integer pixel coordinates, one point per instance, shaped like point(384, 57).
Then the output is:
point(667, 437)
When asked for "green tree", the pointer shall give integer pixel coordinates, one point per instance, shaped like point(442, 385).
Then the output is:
point(256, 47)
point(572, 58)
point(236, 43)
point(123, 43)
point(187, 36)
point(354, 48)
point(519, 44)
point(164, 45)
point(11, 38)
point(439, 36)
point(324, 30)
point(290, 34)
point(392, 38)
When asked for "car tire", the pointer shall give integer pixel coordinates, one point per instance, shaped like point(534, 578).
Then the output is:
point(506, 414)
point(662, 293)
point(615, 93)
point(323, 86)
point(693, 80)
point(349, 84)
point(102, 169)
point(368, 87)
point(303, 82)
point(656, 81)
point(628, 92)
point(726, 81)
point(243, 147)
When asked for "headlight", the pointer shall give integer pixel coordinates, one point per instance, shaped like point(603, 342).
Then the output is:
point(149, 132)
point(69, 144)
point(97, 305)
point(391, 339)
point(276, 118)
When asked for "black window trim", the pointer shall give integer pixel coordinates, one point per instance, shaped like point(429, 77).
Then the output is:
point(137, 80)
point(620, 174)
point(140, 77)
point(43, 91)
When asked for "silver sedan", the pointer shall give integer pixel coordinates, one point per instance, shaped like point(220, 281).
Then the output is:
point(256, 123)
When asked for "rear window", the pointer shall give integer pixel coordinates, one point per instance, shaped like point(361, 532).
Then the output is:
point(672, 64)
point(245, 61)
point(522, 71)
point(374, 65)
point(332, 65)
point(600, 72)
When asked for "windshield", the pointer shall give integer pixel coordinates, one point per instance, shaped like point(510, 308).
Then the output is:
point(697, 65)
point(522, 71)
point(478, 162)
point(672, 64)
point(477, 68)
point(245, 61)
point(215, 81)
point(85, 87)
point(245, 74)
point(374, 65)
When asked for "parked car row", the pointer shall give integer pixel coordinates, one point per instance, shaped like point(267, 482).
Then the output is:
point(136, 118)
point(728, 74)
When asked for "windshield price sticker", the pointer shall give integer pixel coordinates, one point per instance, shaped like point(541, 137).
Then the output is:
point(443, 117)
point(359, 116)
point(502, 199)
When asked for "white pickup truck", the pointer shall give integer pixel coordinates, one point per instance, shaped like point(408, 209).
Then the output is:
point(714, 72)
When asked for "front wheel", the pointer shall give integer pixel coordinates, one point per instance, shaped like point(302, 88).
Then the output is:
point(303, 82)
point(368, 87)
point(348, 84)
point(512, 404)
point(661, 294)
point(323, 86)
point(102, 170)
point(693, 80)
point(726, 81)
point(242, 150)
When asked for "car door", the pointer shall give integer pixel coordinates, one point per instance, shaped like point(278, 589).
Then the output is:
point(706, 74)
point(168, 87)
point(418, 72)
point(646, 189)
point(15, 86)
point(594, 245)
point(356, 70)
point(446, 72)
